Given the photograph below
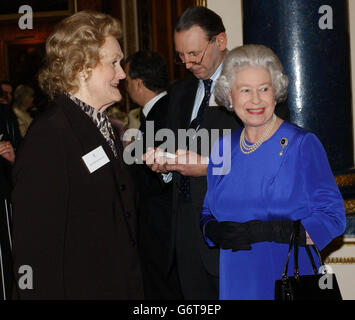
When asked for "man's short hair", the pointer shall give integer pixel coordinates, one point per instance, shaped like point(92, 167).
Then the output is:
point(206, 19)
point(151, 68)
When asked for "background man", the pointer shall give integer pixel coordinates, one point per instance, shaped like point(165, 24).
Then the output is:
point(6, 89)
point(147, 83)
point(201, 45)
point(9, 138)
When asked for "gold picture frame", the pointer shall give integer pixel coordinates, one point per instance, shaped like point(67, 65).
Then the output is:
point(72, 7)
point(202, 3)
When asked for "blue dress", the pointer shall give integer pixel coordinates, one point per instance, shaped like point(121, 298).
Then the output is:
point(265, 185)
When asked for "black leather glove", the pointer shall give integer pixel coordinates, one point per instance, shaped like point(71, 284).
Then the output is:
point(274, 231)
point(228, 234)
point(239, 236)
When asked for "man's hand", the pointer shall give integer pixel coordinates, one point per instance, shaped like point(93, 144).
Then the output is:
point(7, 151)
point(155, 160)
point(188, 163)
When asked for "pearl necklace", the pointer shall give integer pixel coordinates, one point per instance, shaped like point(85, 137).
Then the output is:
point(247, 149)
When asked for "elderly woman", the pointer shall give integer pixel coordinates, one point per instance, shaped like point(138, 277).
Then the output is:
point(23, 100)
point(278, 173)
point(73, 218)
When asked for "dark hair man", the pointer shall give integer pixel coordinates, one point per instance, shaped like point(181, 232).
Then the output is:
point(6, 92)
point(147, 83)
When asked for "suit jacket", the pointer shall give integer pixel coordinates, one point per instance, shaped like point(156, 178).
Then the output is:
point(182, 97)
point(9, 126)
point(8, 132)
point(148, 182)
point(154, 217)
point(75, 230)
point(155, 196)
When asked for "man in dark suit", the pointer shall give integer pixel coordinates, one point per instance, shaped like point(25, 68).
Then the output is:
point(201, 45)
point(9, 140)
point(7, 158)
point(146, 83)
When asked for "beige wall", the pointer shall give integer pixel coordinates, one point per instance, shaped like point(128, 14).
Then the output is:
point(231, 13)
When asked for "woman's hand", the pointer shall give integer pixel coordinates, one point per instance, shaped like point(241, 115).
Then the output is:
point(7, 151)
point(228, 234)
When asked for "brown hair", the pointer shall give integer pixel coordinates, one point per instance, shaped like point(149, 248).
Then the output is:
point(74, 47)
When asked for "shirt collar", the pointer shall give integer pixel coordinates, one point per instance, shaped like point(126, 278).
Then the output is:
point(149, 105)
point(217, 73)
point(215, 76)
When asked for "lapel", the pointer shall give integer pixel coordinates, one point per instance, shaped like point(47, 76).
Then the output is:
point(186, 103)
point(158, 113)
point(88, 135)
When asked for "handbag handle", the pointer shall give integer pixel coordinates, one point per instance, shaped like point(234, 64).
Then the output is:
point(294, 243)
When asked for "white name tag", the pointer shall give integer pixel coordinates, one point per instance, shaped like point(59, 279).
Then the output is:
point(95, 159)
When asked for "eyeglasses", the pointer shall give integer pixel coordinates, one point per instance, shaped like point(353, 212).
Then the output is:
point(178, 59)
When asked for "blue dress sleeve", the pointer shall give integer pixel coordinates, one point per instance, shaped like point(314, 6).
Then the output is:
point(326, 206)
point(215, 168)
point(206, 216)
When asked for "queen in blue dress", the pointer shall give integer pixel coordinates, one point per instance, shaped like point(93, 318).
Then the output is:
point(274, 172)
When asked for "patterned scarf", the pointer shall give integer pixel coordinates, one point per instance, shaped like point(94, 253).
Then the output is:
point(100, 119)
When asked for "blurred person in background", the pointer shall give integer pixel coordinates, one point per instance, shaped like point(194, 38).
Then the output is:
point(9, 137)
point(23, 100)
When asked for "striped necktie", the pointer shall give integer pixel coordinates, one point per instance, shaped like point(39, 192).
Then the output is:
point(184, 185)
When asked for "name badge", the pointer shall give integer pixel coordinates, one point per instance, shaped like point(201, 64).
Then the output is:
point(95, 159)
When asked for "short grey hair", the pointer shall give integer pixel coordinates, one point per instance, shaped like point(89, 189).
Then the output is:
point(250, 55)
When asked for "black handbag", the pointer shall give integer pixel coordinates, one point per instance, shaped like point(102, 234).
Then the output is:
point(306, 287)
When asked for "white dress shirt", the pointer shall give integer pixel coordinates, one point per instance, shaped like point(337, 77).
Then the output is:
point(201, 93)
